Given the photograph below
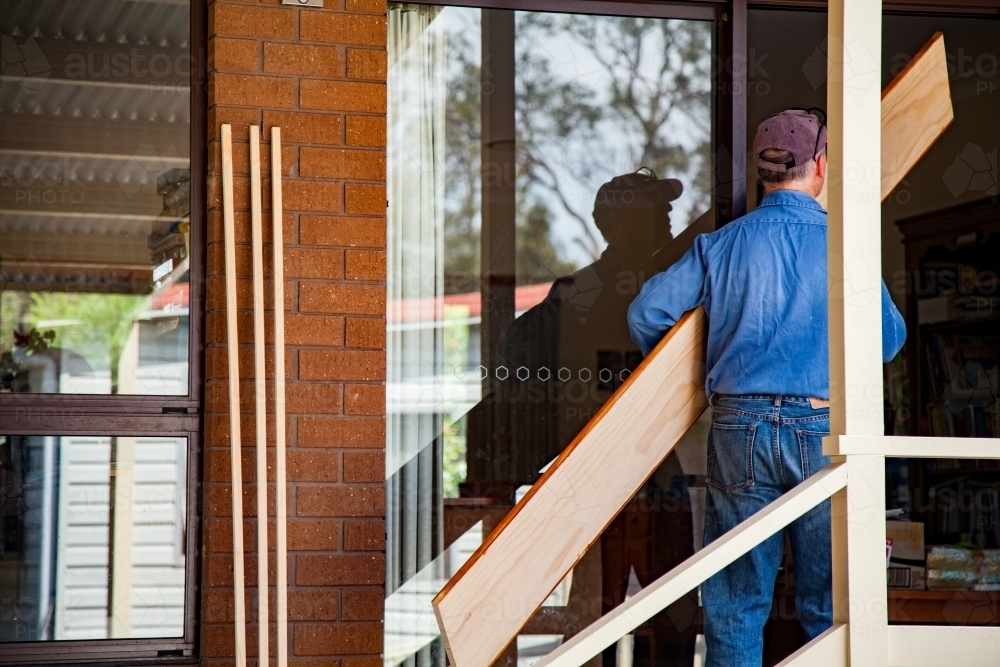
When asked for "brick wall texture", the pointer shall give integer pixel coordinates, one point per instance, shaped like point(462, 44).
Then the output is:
point(319, 75)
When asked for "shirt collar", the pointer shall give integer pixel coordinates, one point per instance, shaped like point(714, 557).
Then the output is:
point(791, 198)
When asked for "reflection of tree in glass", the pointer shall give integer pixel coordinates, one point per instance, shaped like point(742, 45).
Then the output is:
point(456, 359)
point(462, 159)
point(538, 257)
point(98, 324)
point(596, 97)
point(453, 467)
point(599, 96)
point(13, 307)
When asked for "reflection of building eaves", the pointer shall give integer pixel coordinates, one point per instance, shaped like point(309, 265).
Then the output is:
point(95, 136)
point(124, 22)
point(111, 274)
point(95, 105)
point(110, 62)
point(87, 167)
point(69, 277)
point(73, 198)
point(40, 222)
point(66, 249)
point(96, 99)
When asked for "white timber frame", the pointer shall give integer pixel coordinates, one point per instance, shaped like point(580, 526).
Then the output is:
point(668, 391)
point(855, 480)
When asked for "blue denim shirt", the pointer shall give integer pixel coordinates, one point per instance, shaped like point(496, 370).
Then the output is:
point(763, 282)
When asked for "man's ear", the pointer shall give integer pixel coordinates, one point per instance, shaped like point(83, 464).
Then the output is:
point(821, 165)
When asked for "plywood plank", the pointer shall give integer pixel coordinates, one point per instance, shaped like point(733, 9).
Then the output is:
point(916, 110)
point(546, 534)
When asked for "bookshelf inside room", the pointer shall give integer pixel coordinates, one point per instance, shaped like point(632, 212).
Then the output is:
point(953, 320)
point(949, 388)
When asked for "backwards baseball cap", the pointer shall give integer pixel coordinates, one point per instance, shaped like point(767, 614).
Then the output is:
point(800, 132)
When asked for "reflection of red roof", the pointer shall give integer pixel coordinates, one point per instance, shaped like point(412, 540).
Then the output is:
point(530, 296)
point(430, 309)
point(174, 296)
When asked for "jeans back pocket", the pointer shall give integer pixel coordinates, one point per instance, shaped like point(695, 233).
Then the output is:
point(730, 456)
point(811, 449)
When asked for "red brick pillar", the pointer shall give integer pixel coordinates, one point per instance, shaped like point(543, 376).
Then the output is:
point(319, 75)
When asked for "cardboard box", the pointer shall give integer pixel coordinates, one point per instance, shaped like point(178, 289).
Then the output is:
point(900, 575)
point(907, 540)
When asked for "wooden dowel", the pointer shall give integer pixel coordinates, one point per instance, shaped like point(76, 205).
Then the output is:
point(260, 413)
point(279, 397)
point(239, 613)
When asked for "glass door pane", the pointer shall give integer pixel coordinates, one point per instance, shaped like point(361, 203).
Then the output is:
point(541, 168)
point(95, 211)
point(94, 537)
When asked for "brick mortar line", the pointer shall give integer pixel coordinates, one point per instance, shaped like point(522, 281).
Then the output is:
point(325, 112)
point(301, 41)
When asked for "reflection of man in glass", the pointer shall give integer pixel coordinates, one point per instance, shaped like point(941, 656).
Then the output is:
point(580, 330)
point(585, 312)
point(762, 280)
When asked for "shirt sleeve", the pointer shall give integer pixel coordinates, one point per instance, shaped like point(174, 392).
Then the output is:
point(667, 296)
point(893, 327)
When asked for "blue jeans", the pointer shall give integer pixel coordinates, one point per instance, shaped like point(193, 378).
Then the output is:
point(759, 448)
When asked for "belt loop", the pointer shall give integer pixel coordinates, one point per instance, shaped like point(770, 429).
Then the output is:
point(711, 399)
point(777, 401)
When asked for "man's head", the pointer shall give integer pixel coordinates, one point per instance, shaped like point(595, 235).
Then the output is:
point(790, 152)
point(632, 211)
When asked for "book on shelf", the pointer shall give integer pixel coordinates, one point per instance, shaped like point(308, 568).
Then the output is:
point(938, 309)
point(955, 278)
point(968, 422)
point(955, 292)
point(964, 510)
point(963, 384)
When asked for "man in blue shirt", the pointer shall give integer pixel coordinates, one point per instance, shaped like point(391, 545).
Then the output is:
point(762, 280)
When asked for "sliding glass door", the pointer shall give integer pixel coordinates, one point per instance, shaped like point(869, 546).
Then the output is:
point(542, 166)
